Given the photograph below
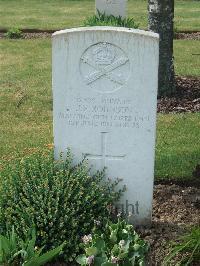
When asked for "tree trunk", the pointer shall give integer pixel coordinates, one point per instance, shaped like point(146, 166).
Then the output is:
point(161, 20)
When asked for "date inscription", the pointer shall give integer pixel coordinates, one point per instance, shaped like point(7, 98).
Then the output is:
point(102, 112)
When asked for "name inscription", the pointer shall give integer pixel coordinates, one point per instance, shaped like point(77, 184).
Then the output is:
point(102, 112)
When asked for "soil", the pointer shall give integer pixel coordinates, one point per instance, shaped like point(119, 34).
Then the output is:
point(187, 35)
point(175, 209)
point(36, 33)
point(32, 35)
point(186, 98)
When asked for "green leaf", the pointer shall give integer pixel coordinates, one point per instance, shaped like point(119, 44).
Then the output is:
point(123, 255)
point(141, 263)
point(127, 262)
point(132, 260)
point(113, 236)
point(31, 246)
point(174, 252)
point(37, 261)
point(100, 244)
point(115, 249)
point(81, 259)
point(136, 247)
point(13, 237)
point(124, 231)
point(98, 261)
point(113, 227)
point(4, 245)
point(108, 264)
point(91, 251)
point(20, 252)
point(126, 246)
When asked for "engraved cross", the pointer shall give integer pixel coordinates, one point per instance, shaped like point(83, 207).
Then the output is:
point(104, 157)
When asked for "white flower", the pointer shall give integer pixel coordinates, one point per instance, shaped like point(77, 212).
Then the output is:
point(90, 260)
point(114, 259)
point(97, 222)
point(121, 243)
point(87, 239)
point(119, 214)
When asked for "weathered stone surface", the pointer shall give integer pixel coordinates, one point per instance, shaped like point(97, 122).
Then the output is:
point(112, 7)
point(105, 95)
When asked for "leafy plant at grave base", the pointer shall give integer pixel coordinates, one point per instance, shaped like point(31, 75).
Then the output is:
point(118, 245)
point(14, 33)
point(186, 250)
point(8, 248)
point(61, 199)
point(100, 19)
point(15, 251)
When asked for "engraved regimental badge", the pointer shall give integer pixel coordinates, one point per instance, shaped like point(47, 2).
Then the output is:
point(104, 67)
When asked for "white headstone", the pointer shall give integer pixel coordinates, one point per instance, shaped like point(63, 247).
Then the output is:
point(105, 95)
point(112, 7)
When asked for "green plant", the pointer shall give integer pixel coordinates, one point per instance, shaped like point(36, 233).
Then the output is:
point(61, 199)
point(8, 248)
point(15, 251)
point(14, 33)
point(101, 19)
point(186, 250)
point(118, 245)
point(31, 255)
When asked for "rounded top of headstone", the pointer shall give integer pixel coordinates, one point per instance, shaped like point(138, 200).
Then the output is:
point(107, 29)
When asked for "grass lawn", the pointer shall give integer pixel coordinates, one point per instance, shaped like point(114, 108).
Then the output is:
point(178, 147)
point(186, 57)
point(26, 107)
point(59, 14)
